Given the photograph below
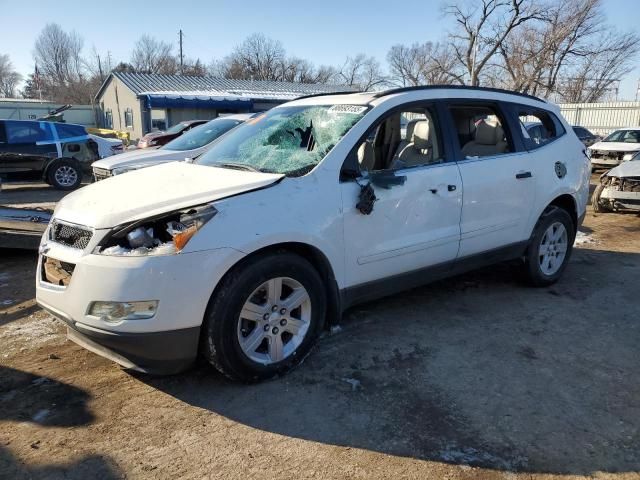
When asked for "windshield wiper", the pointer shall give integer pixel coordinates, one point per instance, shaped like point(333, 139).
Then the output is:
point(237, 166)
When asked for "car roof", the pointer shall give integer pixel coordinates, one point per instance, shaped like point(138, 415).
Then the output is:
point(243, 117)
point(422, 92)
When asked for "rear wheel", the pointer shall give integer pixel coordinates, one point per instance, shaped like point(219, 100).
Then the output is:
point(550, 247)
point(264, 318)
point(600, 205)
point(64, 175)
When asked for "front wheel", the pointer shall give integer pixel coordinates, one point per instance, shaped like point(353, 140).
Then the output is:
point(550, 247)
point(64, 175)
point(264, 318)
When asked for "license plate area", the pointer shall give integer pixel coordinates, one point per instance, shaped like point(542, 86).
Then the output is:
point(56, 272)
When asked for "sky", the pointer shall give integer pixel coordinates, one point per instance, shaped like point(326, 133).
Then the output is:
point(325, 32)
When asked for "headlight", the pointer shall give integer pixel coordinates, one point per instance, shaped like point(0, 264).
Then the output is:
point(629, 156)
point(161, 235)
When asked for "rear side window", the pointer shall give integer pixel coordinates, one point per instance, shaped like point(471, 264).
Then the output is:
point(66, 131)
point(481, 130)
point(538, 127)
point(26, 132)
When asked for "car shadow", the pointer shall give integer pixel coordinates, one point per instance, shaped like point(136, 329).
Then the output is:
point(46, 402)
point(475, 370)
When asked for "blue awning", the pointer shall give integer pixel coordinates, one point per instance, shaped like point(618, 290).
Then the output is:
point(197, 101)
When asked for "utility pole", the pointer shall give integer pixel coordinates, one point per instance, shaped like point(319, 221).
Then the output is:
point(180, 35)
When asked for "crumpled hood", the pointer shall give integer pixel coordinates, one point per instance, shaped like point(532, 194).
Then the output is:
point(141, 156)
point(615, 147)
point(155, 190)
point(626, 169)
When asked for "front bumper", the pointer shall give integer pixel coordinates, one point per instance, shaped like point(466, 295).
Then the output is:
point(630, 200)
point(181, 283)
point(604, 163)
point(159, 353)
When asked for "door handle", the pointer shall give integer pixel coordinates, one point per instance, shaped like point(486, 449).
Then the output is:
point(433, 190)
point(522, 175)
point(451, 188)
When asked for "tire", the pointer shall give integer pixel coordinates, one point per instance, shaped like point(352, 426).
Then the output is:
point(595, 201)
point(537, 264)
point(64, 175)
point(260, 355)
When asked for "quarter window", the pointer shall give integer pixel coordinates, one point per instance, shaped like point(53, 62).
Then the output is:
point(538, 127)
point(66, 131)
point(481, 131)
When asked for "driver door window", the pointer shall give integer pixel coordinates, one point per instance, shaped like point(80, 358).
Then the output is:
point(403, 139)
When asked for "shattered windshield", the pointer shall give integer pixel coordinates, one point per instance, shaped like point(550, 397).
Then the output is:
point(627, 136)
point(201, 135)
point(288, 140)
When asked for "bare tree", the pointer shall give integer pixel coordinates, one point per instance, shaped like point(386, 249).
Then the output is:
point(423, 64)
point(362, 72)
point(261, 58)
point(572, 55)
point(62, 71)
point(257, 58)
point(153, 56)
point(9, 77)
point(481, 30)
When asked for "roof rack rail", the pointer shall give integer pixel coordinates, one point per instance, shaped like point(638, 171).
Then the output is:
point(391, 91)
point(344, 92)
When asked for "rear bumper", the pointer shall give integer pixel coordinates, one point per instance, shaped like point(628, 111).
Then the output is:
point(160, 353)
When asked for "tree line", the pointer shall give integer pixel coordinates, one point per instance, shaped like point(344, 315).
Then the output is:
point(561, 50)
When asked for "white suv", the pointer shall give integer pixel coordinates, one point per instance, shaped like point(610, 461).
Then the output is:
point(318, 204)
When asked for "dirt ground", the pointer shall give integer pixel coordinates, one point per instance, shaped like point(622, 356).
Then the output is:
point(474, 377)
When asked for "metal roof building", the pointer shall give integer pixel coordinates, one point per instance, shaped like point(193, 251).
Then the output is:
point(139, 103)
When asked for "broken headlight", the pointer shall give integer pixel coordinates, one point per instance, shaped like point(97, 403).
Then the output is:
point(161, 235)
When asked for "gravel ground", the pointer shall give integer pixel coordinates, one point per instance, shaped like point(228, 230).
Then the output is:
point(475, 377)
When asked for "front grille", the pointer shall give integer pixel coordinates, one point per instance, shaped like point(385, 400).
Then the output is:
point(101, 173)
point(69, 235)
point(56, 272)
point(602, 155)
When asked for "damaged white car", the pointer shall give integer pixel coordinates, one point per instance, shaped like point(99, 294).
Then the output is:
point(246, 255)
point(619, 189)
point(620, 146)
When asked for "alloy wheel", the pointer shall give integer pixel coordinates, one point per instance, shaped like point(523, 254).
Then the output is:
point(553, 248)
point(274, 320)
point(66, 176)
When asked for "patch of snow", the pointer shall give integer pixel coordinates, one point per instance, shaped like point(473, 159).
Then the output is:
point(32, 332)
point(7, 302)
point(583, 238)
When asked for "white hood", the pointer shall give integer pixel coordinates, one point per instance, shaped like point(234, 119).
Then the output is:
point(614, 147)
point(626, 169)
point(155, 190)
point(141, 156)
